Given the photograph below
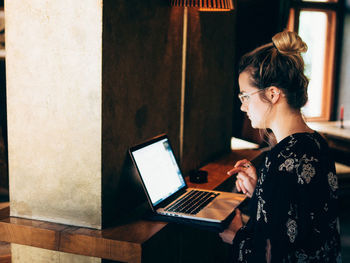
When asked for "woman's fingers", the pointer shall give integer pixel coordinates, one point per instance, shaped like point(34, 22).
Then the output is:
point(234, 170)
point(242, 187)
point(237, 167)
point(244, 163)
point(238, 186)
point(243, 166)
point(246, 183)
point(246, 176)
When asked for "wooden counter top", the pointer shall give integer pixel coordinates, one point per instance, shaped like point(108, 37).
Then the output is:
point(125, 242)
point(338, 138)
point(217, 170)
point(332, 128)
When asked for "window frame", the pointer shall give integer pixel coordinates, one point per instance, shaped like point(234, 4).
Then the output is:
point(333, 12)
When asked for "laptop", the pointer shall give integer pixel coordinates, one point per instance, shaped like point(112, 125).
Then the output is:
point(167, 191)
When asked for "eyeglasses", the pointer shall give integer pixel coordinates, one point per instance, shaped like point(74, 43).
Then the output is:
point(244, 97)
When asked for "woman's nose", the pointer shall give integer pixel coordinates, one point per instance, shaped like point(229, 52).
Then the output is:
point(243, 107)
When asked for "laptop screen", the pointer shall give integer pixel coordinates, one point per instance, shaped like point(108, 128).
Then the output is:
point(159, 170)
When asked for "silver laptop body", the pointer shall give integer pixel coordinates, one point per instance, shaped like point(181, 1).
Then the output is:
point(165, 185)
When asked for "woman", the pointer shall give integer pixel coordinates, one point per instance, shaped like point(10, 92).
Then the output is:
point(294, 193)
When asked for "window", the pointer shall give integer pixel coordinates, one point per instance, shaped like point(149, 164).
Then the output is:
point(316, 23)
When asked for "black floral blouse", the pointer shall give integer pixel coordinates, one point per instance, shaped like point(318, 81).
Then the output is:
point(294, 206)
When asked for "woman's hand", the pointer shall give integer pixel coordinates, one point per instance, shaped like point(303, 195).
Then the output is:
point(229, 234)
point(246, 177)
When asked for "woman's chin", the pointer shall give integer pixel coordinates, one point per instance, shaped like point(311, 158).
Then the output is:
point(255, 125)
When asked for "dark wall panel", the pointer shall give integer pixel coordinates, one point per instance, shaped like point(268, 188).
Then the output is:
point(141, 82)
point(257, 22)
point(209, 87)
point(141, 89)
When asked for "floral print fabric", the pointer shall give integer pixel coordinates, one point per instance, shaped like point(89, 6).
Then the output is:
point(293, 214)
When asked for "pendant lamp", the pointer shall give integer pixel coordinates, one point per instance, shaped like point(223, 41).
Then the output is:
point(205, 5)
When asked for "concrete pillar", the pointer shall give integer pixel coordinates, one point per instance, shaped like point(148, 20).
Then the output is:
point(54, 109)
point(26, 254)
point(54, 115)
point(86, 79)
point(81, 89)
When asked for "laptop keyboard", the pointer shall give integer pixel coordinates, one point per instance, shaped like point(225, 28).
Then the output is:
point(193, 202)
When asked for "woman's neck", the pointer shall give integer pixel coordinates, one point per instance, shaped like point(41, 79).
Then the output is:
point(286, 124)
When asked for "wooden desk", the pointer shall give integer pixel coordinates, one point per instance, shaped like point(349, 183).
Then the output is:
point(217, 170)
point(137, 240)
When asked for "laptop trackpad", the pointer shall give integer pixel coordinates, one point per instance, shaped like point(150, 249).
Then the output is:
point(225, 203)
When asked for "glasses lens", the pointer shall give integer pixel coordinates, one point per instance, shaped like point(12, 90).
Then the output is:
point(243, 97)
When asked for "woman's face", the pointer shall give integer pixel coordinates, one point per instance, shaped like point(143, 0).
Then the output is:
point(256, 109)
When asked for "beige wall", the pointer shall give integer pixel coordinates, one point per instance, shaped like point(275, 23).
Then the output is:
point(25, 254)
point(54, 109)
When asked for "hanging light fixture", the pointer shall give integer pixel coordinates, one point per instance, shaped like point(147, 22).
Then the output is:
point(206, 5)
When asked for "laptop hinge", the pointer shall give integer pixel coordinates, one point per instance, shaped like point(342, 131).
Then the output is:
point(171, 198)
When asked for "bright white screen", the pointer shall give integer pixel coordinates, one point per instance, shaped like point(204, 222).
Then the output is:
point(159, 171)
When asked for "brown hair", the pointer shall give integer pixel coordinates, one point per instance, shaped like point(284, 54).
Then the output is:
point(279, 64)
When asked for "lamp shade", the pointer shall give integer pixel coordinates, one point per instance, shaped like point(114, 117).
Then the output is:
point(205, 5)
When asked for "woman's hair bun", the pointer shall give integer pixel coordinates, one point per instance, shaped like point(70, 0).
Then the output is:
point(288, 43)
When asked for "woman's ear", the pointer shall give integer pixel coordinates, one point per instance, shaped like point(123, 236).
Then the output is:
point(274, 94)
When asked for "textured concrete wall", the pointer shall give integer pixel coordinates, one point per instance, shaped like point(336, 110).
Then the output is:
point(54, 116)
point(54, 109)
point(25, 254)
